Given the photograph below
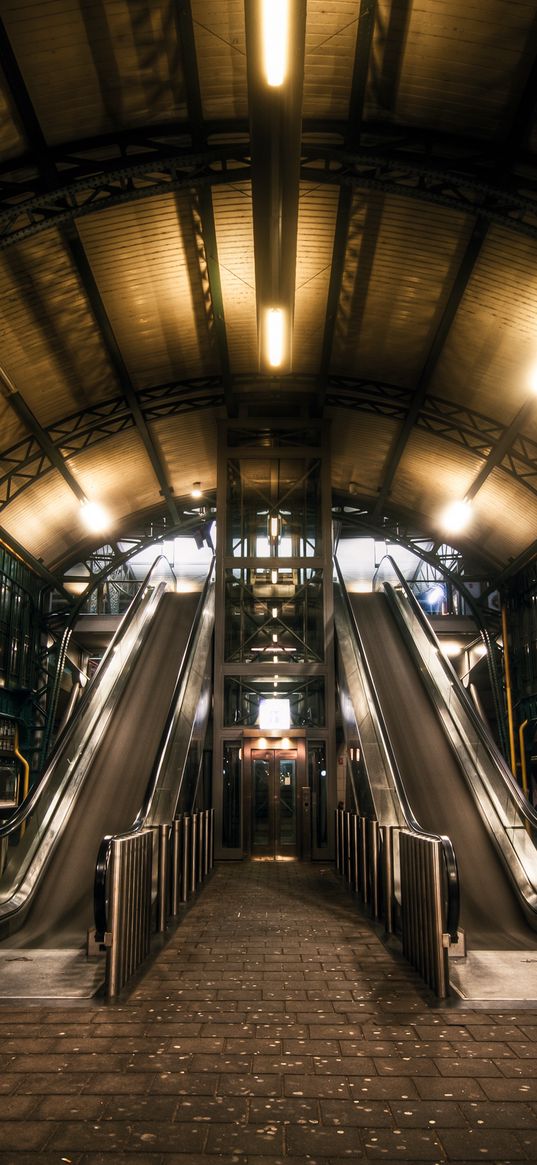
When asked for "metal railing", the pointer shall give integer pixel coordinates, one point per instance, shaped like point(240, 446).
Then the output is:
point(142, 879)
point(425, 943)
point(425, 912)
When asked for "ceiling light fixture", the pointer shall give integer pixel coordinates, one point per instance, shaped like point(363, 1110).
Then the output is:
point(196, 491)
point(456, 516)
point(94, 516)
point(275, 39)
point(274, 337)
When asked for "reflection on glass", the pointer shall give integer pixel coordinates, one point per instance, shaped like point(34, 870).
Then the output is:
point(287, 781)
point(317, 778)
point(231, 803)
point(261, 781)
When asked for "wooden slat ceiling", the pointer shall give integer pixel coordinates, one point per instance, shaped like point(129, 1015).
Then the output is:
point(130, 225)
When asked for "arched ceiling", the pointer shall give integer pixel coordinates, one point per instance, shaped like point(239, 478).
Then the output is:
point(156, 197)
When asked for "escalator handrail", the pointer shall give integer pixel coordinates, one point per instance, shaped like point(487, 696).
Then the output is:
point(100, 885)
point(526, 810)
point(412, 823)
point(171, 716)
point(28, 806)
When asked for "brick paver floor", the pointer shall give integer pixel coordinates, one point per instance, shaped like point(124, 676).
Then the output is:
point(273, 1027)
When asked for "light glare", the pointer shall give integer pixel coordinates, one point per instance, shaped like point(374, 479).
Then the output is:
point(94, 517)
point(275, 34)
point(456, 517)
point(275, 337)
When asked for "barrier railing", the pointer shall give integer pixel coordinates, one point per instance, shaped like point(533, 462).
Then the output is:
point(371, 857)
point(424, 941)
point(142, 879)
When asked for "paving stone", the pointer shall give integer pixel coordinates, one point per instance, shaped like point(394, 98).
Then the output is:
point(280, 1031)
point(482, 1145)
point(316, 1141)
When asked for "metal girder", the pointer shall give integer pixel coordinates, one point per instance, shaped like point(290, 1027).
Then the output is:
point(50, 176)
point(207, 228)
point(366, 24)
point(458, 288)
point(113, 350)
point(26, 461)
point(40, 439)
point(503, 163)
point(49, 579)
point(29, 205)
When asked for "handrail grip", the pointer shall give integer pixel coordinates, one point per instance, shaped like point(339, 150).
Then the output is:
point(448, 851)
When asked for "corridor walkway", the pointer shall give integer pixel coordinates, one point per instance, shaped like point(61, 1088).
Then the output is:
point(273, 1027)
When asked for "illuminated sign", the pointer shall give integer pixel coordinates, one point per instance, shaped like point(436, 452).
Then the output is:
point(274, 714)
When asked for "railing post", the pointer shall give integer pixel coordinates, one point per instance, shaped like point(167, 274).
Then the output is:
point(386, 833)
point(211, 838)
point(163, 877)
point(194, 839)
point(185, 857)
point(176, 862)
point(373, 841)
point(364, 887)
point(355, 878)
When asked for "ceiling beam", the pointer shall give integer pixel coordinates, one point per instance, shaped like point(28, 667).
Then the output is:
point(80, 260)
point(520, 126)
point(55, 582)
point(471, 255)
point(31, 424)
point(36, 140)
point(185, 29)
point(275, 144)
point(353, 128)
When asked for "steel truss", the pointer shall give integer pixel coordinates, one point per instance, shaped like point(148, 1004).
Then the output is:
point(98, 173)
point(26, 462)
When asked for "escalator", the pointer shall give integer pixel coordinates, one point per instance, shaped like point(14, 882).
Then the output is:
point(428, 764)
point(491, 914)
point(46, 890)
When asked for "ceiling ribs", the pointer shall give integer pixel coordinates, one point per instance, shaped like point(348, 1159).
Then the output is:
point(366, 24)
point(189, 60)
point(34, 136)
point(520, 125)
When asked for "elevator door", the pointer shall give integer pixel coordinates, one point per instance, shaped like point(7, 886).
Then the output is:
point(274, 803)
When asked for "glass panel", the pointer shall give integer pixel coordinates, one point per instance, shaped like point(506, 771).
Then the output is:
point(261, 795)
point(287, 779)
point(274, 507)
point(231, 805)
point(306, 696)
point(317, 779)
point(264, 620)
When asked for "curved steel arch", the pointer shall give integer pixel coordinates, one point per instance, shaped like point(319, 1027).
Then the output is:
point(28, 205)
point(25, 462)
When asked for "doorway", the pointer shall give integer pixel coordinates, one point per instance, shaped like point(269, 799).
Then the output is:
point(274, 784)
